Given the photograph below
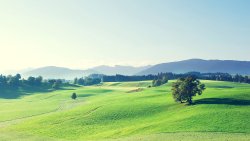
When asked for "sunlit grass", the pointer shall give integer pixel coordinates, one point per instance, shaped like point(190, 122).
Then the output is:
point(111, 111)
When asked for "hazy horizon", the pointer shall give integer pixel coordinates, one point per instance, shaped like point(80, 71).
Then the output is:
point(12, 72)
point(83, 34)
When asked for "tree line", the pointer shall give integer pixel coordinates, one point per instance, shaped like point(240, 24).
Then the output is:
point(171, 76)
point(87, 81)
point(16, 81)
point(160, 81)
point(123, 78)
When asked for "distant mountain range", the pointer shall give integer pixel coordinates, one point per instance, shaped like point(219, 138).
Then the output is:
point(57, 72)
point(198, 65)
point(66, 73)
point(125, 70)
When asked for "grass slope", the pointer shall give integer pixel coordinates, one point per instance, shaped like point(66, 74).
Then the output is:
point(118, 111)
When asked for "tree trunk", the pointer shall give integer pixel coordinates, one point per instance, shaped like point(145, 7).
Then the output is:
point(190, 100)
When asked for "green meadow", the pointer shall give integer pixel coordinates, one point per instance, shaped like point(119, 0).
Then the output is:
point(127, 111)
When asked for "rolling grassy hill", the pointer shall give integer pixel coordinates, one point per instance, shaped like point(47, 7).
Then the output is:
point(128, 111)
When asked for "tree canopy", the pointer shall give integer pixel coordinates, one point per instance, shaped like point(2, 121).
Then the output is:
point(87, 81)
point(172, 76)
point(74, 96)
point(184, 89)
point(160, 81)
point(16, 81)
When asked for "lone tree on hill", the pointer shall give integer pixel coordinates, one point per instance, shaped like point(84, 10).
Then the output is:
point(185, 88)
point(73, 96)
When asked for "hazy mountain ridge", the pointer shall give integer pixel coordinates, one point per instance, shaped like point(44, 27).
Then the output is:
point(58, 72)
point(199, 65)
point(118, 69)
point(66, 73)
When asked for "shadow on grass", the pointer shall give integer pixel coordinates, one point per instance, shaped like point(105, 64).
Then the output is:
point(223, 87)
point(227, 101)
point(74, 85)
point(115, 84)
point(162, 91)
point(65, 89)
point(14, 93)
point(17, 93)
point(85, 95)
point(152, 96)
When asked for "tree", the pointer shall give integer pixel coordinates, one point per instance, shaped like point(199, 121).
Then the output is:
point(164, 80)
point(81, 81)
point(160, 80)
point(91, 81)
point(246, 79)
point(73, 96)
point(185, 88)
point(18, 77)
point(57, 84)
point(31, 80)
point(14, 81)
point(75, 81)
point(38, 80)
point(153, 83)
point(157, 83)
point(51, 81)
point(3, 81)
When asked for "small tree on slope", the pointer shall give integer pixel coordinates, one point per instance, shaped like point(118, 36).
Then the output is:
point(73, 96)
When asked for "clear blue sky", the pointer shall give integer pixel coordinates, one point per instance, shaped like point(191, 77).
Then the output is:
point(81, 34)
